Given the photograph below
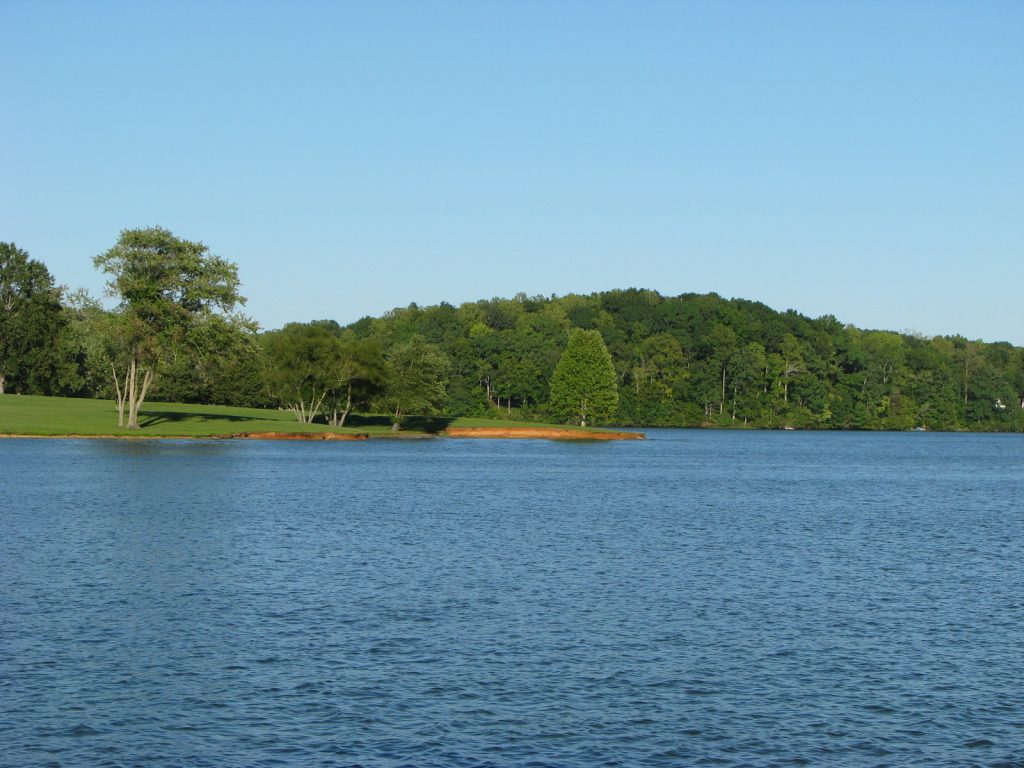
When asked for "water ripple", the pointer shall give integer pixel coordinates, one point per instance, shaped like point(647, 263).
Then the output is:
point(698, 599)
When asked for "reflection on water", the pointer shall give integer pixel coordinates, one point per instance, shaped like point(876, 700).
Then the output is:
point(727, 598)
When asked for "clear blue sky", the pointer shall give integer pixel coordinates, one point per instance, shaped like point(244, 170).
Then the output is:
point(863, 159)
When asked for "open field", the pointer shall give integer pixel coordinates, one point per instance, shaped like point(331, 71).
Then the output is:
point(63, 416)
point(31, 415)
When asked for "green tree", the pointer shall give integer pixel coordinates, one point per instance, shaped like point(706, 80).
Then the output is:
point(1015, 375)
point(31, 321)
point(655, 371)
point(583, 385)
point(86, 339)
point(416, 379)
point(218, 361)
point(304, 362)
point(748, 365)
point(165, 286)
point(362, 374)
point(789, 363)
point(722, 341)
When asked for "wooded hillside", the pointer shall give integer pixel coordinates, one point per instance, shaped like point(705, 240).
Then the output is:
point(703, 360)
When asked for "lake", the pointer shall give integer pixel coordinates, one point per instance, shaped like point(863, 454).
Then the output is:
point(699, 598)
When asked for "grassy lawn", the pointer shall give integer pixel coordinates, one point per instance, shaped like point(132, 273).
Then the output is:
point(32, 415)
point(437, 424)
point(479, 422)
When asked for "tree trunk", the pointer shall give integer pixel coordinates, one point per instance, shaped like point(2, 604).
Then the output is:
point(132, 394)
point(130, 389)
point(348, 406)
point(339, 421)
point(721, 403)
point(133, 407)
point(302, 413)
point(314, 408)
point(120, 394)
point(3, 379)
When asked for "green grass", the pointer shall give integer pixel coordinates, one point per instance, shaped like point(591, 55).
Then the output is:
point(437, 424)
point(501, 423)
point(33, 415)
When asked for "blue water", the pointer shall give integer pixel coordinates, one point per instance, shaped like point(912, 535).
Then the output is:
point(700, 598)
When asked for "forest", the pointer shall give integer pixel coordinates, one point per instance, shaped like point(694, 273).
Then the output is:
point(694, 360)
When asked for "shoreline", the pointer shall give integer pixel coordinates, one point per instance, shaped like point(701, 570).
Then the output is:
point(479, 433)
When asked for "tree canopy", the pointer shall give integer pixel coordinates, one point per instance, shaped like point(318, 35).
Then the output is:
point(31, 322)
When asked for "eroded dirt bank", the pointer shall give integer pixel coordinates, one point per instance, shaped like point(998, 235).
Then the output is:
point(540, 433)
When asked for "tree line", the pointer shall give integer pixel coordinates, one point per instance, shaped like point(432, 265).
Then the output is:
point(627, 357)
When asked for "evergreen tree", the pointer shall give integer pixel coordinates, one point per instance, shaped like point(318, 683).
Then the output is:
point(583, 385)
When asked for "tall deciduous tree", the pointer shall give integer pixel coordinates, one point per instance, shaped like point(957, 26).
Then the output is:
point(361, 376)
point(165, 284)
point(789, 363)
point(31, 320)
point(86, 342)
point(304, 361)
point(416, 381)
point(748, 365)
point(219, 361)
point(583, 385)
